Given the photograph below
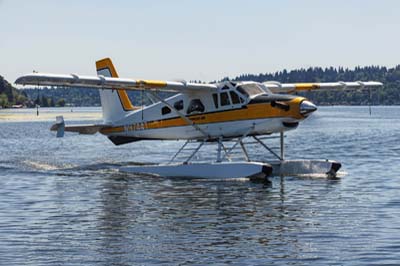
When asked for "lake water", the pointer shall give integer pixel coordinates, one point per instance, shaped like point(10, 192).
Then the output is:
point(63, 203)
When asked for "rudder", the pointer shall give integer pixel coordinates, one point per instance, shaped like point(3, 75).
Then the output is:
point(114, 103)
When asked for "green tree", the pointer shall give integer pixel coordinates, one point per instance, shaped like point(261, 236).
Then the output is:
point(20, 99)
point(60, 102)
point(44, 101)
point(3, 100)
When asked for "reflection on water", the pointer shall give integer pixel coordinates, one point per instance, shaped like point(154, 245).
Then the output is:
point(63, 202)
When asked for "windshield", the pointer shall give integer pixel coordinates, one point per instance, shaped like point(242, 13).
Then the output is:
point(250, 89)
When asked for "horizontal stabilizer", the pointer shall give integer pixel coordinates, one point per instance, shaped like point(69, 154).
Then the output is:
point(81, 129)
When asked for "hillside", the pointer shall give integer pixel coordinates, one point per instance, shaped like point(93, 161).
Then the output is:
point(388, 95)
point(76, 96)
point(9, 95)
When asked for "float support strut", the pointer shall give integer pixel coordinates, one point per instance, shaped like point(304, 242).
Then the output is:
point(282, 146)
point(219, 150)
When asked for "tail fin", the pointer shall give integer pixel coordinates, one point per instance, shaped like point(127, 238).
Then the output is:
point(115, 103)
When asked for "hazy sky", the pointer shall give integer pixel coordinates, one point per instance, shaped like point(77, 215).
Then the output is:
point(204, 39)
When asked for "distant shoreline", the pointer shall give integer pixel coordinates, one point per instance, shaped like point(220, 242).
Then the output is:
point(94, 113)
point(96, 106)
point(49, 114)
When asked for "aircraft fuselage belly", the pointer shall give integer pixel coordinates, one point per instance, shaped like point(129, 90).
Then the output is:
point(214, 130)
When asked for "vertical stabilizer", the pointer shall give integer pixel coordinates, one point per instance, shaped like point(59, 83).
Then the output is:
point(115, 103)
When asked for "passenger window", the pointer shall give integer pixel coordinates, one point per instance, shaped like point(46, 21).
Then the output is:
point(165, 110)
point(234, 97)
point(215, 98)
point(178, 105)
point(224, 99)
point(195, 106)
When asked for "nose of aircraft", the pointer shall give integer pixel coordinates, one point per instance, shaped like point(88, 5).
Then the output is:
point(307, 107)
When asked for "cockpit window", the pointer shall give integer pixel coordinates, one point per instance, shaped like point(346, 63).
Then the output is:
point(249, 89)
point(242, 91)
point(215, 98)
point(225, 88)
point(224, 99)
point(195, 106)
point(235, 97)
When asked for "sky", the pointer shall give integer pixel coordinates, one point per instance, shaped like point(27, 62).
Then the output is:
point(195, 40)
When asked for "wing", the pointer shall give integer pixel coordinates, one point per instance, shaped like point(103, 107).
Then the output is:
point(277, 87)
point(101, 82)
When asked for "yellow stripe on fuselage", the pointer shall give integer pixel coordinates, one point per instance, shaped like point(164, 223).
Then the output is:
point(253, 111)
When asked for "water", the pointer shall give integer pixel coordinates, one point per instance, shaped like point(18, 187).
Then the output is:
point(63, 203)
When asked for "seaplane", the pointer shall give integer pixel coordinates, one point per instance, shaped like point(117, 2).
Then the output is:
point(200, 114)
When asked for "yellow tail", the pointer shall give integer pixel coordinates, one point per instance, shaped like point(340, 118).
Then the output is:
point(114, 103)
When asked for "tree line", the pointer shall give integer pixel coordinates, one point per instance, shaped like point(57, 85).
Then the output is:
point(10, 96)
point(79, 96)
point(388, 95)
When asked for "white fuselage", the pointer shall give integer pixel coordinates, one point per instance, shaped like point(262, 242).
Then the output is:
point(228, 113)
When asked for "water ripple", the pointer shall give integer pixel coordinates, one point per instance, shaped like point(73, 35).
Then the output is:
point(63, 202)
